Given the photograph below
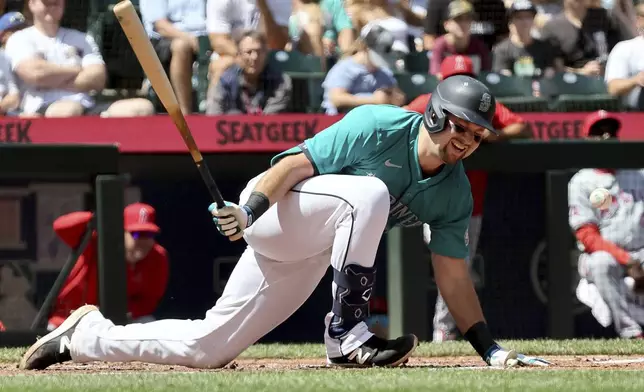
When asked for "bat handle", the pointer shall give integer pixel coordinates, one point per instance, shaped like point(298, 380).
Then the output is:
point(210, 183)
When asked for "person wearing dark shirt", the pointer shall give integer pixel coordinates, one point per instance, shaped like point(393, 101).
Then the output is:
point(490, 23)
point(252, 86)
point(582, 36)
point(520, 54)
point(459, 40)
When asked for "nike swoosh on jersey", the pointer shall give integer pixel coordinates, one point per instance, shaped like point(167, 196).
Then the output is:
point(389, 164)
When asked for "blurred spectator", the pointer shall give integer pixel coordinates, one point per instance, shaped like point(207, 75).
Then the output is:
point(459, 40)
point(610, 239)
point(622, 12)
point(489, 23)
point(520, 54)
point(7, 6)
point(367, 14)
point(582, 36)
point(147, 265)
point(511, 126)
point(321, 28)
point(413, 12)
point(228, 19)
point(174, 27)
point(364, 77)
point(58, 68)
point(9, 24)
point(252, 86)
point(625, 68)
point(546, 10)
point(9, 90)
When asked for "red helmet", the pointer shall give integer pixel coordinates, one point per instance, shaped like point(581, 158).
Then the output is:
point(600, 123)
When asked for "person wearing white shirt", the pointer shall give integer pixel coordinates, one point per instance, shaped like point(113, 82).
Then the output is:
point(59, 67)
point(174, 28)
point(624, 73)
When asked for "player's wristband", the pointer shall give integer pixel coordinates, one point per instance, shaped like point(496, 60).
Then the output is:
point(256, 206)
point(481, 339)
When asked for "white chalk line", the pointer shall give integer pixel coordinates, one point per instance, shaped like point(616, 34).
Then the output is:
point(618, 361)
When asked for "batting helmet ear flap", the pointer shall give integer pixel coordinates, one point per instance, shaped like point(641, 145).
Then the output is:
point(434, 117)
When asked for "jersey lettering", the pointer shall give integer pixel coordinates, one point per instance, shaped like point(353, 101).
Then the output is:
point(401, 215)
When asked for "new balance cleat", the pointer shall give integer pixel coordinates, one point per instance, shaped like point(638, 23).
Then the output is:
point(54, 347)
point(378, 352)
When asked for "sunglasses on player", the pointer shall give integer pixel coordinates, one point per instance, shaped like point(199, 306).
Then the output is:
point(461, 129)
point(142, 234)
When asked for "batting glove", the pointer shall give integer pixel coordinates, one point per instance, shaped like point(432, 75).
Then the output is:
point(502, 358)
point(231, 220)
point(524, 360)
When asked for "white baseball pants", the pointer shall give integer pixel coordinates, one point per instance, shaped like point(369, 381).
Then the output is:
point(328, 219)
point(626, 308)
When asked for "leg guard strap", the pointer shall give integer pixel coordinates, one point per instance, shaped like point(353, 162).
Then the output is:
point(355, 286)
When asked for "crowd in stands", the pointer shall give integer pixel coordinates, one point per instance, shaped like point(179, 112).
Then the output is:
point(275, 56)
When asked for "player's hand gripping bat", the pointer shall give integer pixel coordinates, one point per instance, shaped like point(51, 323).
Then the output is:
point(140, 42)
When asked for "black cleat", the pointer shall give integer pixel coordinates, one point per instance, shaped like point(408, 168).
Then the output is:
point(53, 348)
point(379, 352)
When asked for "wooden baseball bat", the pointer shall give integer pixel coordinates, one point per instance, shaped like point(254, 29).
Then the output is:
point(145, 53)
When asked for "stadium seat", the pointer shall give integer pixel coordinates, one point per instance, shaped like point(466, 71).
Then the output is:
point(415, 84)
point(514, 92)
point(203, 65)
point(417, 62)
point(307, 75)
point(123, 68)
point(571, 92)
point(295, 62)
point(76, 15)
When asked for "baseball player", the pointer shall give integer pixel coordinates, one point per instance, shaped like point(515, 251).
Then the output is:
point(510, 125)
point(612, 239)
point(326, 201)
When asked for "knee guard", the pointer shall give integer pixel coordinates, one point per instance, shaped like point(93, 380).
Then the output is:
point(354, 289)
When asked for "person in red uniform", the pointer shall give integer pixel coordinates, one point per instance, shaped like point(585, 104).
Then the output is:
point(147, 265)
point(511, 125)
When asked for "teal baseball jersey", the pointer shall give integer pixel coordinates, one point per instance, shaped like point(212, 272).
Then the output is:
point(381, 141)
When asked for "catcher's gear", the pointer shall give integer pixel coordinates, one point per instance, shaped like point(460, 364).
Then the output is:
point(634, 270)
point(463, 97)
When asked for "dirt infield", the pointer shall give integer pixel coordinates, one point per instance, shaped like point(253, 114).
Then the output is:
point(558, 362)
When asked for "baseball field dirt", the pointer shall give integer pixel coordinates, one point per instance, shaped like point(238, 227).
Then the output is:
point(584, 365)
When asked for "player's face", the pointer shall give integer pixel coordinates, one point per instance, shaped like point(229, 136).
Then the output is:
point(137, 245)
point(459, 139)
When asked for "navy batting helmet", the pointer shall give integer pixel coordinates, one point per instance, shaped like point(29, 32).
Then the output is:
point(463, 97)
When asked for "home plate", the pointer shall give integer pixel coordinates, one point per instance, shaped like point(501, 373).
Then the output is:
point(618, 361)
